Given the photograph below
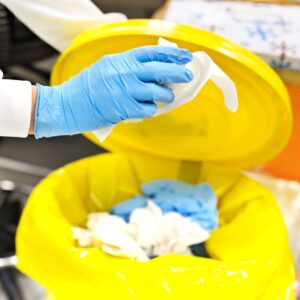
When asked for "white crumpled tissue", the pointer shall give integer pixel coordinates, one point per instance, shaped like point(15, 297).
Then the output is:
point(203, 69)
point(149, 233)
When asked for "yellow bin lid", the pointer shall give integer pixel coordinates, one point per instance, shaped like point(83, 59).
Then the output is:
point(202, 130)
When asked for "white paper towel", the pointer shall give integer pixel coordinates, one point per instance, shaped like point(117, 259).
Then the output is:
point(203, 69)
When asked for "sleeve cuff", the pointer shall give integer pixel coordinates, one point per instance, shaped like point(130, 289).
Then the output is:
point(15, 107)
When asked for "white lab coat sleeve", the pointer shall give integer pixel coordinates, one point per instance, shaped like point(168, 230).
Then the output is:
point(15, 107)
point(58, 22)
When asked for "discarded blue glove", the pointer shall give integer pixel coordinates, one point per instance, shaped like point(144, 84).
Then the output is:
point(117, 87)
point(124, 209)
point(197, 202)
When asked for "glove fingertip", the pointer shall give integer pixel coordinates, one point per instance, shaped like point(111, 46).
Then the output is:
point(150, 109)
point(186, 55)
point(189, 75)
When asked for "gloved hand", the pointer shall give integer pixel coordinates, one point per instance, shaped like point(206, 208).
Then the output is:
point(117, 87)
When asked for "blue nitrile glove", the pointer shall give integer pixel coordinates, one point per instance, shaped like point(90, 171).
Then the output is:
point(197, 202)
point(124, 209)
point(117, 87)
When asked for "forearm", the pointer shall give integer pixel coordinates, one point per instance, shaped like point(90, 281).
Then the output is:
point(68, 109)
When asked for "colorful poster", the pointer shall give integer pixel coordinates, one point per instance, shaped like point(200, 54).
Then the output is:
point(271, 31)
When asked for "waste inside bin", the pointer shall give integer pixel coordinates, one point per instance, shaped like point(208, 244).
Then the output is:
point(199, 142)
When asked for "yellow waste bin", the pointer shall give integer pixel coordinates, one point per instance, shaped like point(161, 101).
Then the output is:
point(198, 142)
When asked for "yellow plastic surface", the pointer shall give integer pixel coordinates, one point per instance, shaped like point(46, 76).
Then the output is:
point(203, 130)
point(250, 254)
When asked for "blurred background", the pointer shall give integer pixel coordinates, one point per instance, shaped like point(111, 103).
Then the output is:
point(24, 162)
